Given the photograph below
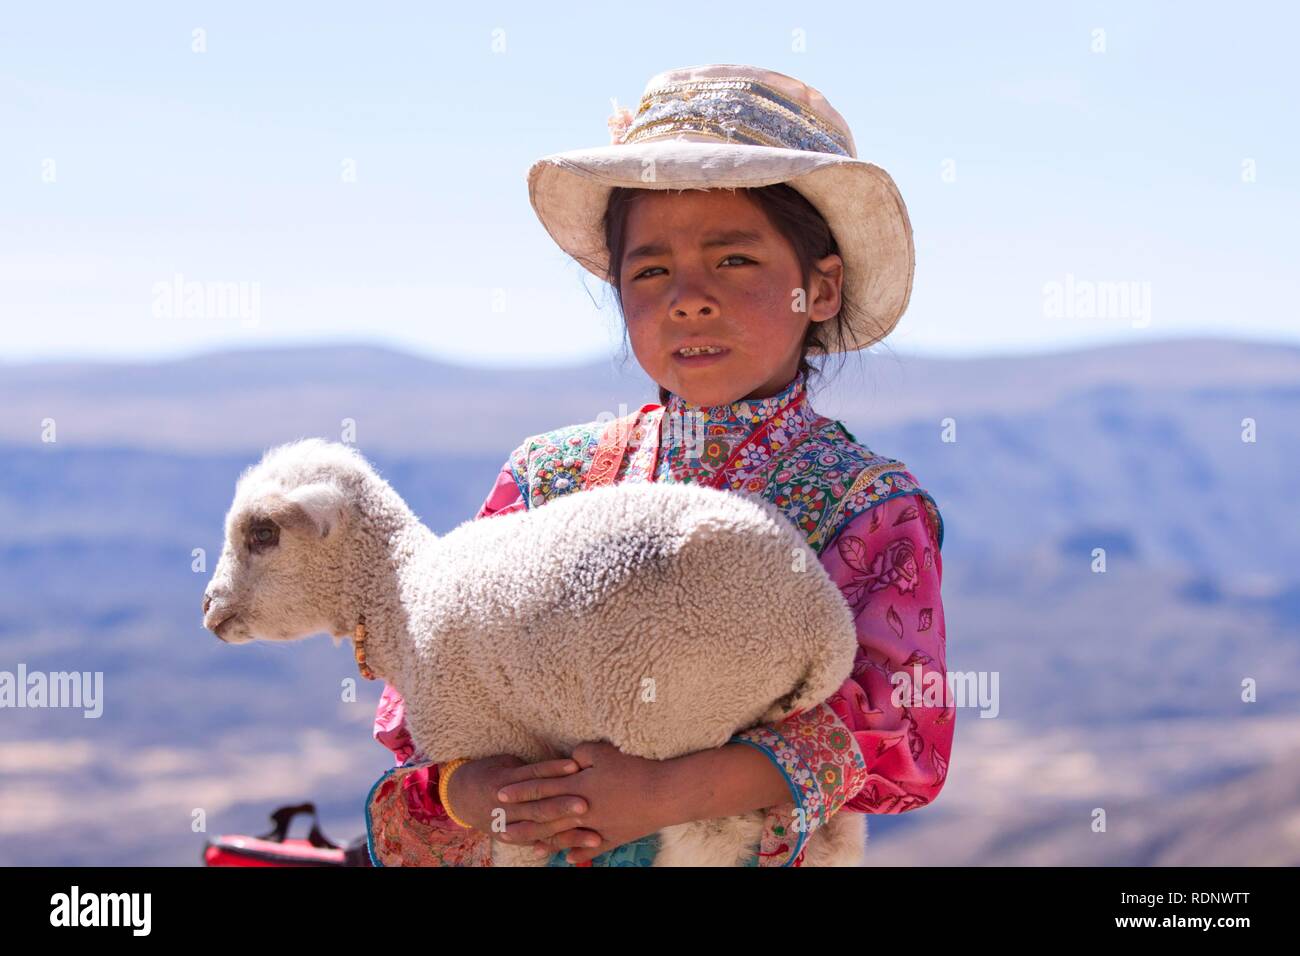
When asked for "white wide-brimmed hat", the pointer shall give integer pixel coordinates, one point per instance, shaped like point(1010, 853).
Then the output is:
point(728, 126)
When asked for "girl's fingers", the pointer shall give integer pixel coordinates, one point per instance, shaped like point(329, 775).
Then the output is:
point(544, 768)
point(529, 831)
point(560, 812)
point(576, 837)
point(517, 796)
point(582, 855)
point(527, 789)
point(569, 839)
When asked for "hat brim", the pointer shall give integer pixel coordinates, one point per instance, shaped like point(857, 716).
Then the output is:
point(569, 192)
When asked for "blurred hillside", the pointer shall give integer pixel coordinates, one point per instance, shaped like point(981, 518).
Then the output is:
point(1120, 690)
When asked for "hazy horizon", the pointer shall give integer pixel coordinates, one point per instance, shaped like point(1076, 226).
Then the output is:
point(885, 350)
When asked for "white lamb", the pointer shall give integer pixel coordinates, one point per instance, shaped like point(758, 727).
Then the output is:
point(660, 618)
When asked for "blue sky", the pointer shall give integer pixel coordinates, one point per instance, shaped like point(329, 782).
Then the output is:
point(128, 159)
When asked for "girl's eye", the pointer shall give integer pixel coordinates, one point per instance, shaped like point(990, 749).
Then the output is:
point(647, 272)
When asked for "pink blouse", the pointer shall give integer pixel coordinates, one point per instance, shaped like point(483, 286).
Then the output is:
point(872, 747)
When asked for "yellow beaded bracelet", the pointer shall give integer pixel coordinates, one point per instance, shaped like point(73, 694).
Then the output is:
point(444, 778)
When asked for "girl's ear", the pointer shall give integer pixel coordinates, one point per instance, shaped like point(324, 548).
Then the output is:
point(828, 279)
point(314, 509)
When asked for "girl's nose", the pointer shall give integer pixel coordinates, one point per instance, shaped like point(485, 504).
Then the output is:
point(685, 312)
point(692, 300)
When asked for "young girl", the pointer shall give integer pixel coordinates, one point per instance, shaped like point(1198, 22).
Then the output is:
point(741, 235)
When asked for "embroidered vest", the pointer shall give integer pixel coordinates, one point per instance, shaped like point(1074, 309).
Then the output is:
point(814, 470)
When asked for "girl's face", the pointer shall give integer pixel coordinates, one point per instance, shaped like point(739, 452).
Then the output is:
point(706, 267)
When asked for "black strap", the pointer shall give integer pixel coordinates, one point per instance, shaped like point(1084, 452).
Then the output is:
point(284, 816)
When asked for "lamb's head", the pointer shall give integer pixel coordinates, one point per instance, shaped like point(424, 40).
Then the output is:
point(283, 563)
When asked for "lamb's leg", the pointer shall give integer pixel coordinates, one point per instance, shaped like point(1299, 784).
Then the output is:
point(729, 841)
point(510, 854)
point(725, 841)
point(842, 841)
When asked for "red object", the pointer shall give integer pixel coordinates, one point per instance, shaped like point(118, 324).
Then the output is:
point(275, 849)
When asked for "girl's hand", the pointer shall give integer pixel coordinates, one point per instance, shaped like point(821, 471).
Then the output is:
point(624, 794)
point(472, 794)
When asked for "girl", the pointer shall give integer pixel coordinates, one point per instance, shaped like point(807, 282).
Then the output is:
point(741, 235)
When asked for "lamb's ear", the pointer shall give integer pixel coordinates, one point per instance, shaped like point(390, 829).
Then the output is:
point(313, 509)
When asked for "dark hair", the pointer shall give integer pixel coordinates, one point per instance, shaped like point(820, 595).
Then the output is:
point(794, 217)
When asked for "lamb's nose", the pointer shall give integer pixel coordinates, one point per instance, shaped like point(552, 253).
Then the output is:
point(207, 603)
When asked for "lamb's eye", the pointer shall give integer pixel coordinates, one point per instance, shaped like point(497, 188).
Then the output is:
point(263, 536)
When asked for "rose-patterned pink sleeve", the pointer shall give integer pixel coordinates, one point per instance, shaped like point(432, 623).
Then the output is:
point(868, 748)
point(405, 823)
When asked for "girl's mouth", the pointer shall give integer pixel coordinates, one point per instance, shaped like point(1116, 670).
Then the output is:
point(700, 355)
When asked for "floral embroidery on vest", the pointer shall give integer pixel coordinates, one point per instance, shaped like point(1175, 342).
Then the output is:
point(810, 467)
